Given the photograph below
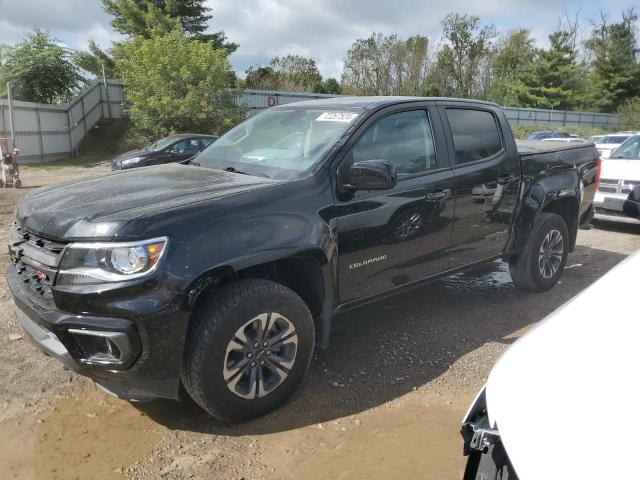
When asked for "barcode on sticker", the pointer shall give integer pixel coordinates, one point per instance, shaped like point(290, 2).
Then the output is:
point(345, 117)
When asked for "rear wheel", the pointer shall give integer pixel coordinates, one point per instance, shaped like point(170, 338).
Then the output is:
point(17, 184)
point(248, 349)
point(540, 265)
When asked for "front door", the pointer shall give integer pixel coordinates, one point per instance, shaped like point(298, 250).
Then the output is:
point(395, 237)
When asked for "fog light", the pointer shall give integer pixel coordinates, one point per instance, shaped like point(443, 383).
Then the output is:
point(102, 348)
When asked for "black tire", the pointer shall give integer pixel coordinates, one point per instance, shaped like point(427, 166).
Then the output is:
point(216, 322)
point(17, 184)
point(526, 270)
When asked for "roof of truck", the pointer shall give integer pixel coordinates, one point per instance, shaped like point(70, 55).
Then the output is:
point(374, 102)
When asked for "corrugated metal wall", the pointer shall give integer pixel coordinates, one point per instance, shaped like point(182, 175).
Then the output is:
point(257, 100)
point(48, 132)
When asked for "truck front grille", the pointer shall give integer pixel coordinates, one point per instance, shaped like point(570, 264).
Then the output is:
point(36, 259)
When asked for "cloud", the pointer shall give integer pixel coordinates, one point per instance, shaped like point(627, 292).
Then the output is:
point(321, 29)
point(71, 21)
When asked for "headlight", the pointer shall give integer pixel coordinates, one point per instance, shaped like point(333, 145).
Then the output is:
point(130, 161)
point(92, 263)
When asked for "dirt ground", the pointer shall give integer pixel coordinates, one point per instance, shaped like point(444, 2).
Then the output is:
point(385, 401)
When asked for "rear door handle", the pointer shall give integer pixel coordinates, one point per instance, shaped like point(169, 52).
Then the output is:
point(437, 195)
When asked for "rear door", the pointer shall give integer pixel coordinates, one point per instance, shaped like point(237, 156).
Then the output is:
point(394, 237)
point(486, 167)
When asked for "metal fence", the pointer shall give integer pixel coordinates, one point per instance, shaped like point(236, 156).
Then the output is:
point(256, 100)
point(46, 132)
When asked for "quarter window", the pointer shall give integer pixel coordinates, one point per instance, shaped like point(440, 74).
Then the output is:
point(475, 134)
point(404, 139)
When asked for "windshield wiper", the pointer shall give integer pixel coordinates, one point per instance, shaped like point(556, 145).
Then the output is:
point(233, 170)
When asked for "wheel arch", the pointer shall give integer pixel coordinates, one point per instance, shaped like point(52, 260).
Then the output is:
point(304, 272)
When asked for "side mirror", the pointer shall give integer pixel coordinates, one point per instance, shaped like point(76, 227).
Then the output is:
point(372, 175)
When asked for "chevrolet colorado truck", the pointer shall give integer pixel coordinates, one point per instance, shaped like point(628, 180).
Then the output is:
point(222, 274)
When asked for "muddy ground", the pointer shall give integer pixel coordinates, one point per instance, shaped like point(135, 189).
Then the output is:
point(384, 402)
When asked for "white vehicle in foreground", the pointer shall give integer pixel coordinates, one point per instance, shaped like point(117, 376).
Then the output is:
point(607, 144)
point(619, 174)
point(560, 402)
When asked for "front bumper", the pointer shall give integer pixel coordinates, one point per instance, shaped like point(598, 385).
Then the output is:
point(609, 206)
point(150, 366)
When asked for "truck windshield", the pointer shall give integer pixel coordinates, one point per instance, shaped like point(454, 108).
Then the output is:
point(279, 143)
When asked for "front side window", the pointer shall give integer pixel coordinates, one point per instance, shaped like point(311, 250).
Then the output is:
point(281, 143)
point(475, 134)
point(189, 146)
point(404, 139)
point(630, 150)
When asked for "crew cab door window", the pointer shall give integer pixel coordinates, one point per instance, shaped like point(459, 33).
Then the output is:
point(475, 134)
point(404, 139)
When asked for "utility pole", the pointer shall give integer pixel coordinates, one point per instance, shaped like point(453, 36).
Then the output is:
point(10, 99)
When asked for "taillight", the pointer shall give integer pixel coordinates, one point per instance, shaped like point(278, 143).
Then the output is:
point(598, 172)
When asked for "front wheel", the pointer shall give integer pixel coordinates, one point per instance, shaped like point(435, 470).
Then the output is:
point(248, 349)
point(540, 265)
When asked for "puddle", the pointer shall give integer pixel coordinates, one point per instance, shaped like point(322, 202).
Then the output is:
point(91, 438)
point(409, 440)
point(493, 275)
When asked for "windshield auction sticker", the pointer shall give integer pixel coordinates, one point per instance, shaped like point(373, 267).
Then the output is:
point(344, 117)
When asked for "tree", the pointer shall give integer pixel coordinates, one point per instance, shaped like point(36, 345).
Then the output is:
point(386, 65)
point(615, 69)
point(295, 73)
point(514, 52)
point(554, 79)
point(261, 78)
point(460, 59)
point(175, 84)
point(40, 69)
point(629, 114)
point(292, 73)
point(144, 17)
point(329, 86)
point(93, 60)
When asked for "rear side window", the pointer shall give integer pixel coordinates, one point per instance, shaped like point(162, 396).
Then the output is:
point(475, 134)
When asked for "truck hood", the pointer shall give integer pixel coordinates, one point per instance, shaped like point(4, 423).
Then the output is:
point(97, 207)
point(569, 387)
point(619, 169)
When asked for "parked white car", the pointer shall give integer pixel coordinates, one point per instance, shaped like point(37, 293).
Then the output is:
point(607, 144)
point(560, 402)
point(619, 174)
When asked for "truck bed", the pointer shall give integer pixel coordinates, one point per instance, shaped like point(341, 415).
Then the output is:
point(530, 148)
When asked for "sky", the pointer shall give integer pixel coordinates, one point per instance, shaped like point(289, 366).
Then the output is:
point(321, 29)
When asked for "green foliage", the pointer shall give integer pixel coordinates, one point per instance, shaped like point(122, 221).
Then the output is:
point(630, 114)
point(554, 79)
point(615, 69)
point(386, 65)
point(511, 56)
point(176, 84)
point(329, 86)
point(149, 17)
point(291, 73)
point(521, 132)
point(40, 70)
point(460, 59)
point(93, 60)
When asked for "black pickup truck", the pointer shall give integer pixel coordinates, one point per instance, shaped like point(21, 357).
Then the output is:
point(222, 274)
